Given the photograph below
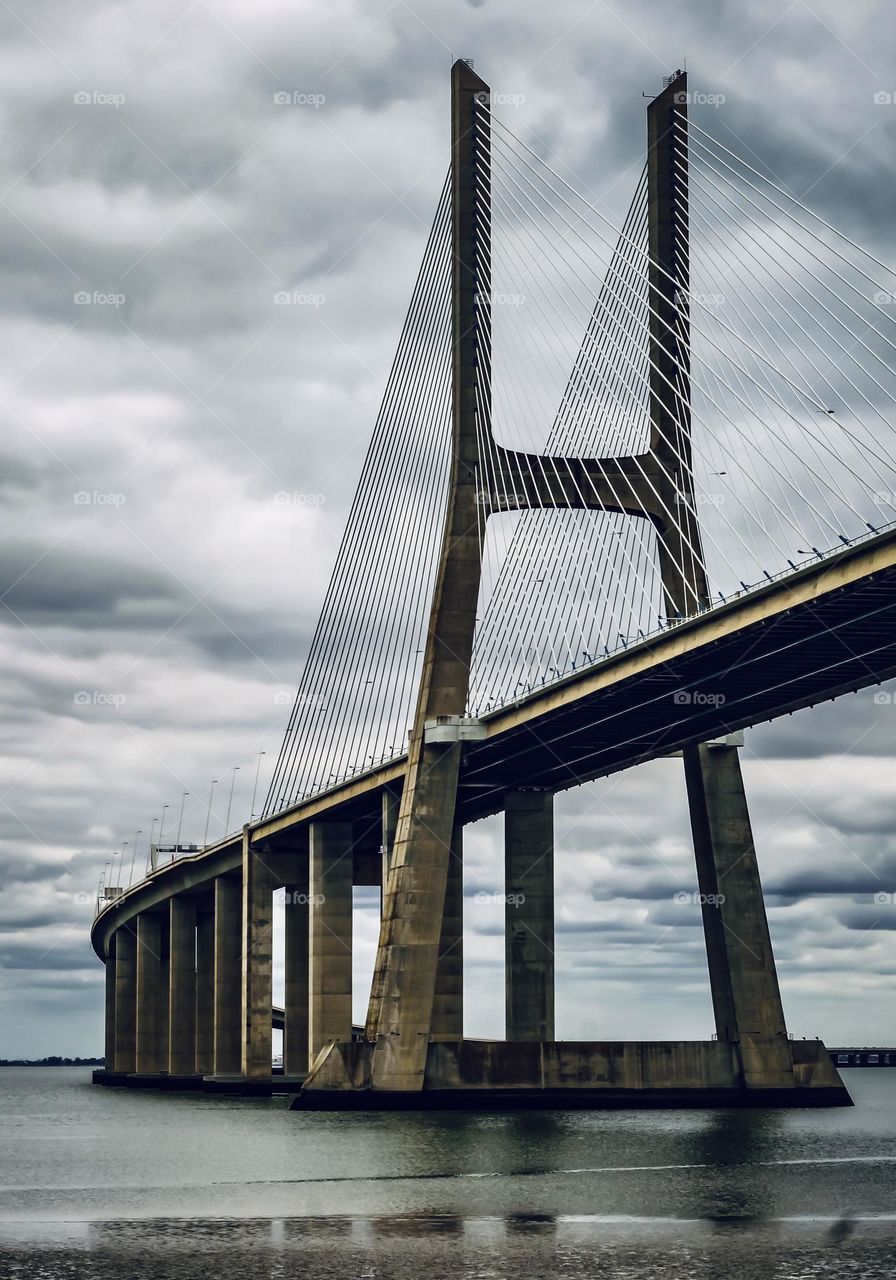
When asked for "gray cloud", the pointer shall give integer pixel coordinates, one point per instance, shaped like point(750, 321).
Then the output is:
point(200, 399)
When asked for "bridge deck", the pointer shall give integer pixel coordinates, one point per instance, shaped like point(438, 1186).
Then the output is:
point(825, 630)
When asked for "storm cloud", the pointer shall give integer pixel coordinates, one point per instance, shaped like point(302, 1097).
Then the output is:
point(181, 445)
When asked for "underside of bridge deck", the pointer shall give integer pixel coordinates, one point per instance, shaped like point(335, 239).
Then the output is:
point(667, 693)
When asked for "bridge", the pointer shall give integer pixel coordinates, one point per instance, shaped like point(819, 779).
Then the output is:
point(608, 514)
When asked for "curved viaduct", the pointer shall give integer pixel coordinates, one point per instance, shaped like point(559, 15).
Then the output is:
point(188, 950)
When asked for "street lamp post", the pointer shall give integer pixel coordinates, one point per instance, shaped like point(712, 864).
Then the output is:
point(255, 788)
point(150, 857)
point(118, 853)
point(236, 769)
point(137, 833)
point(180, 823)
point(208, 815)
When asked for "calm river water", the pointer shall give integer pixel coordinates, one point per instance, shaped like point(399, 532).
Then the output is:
point(109, 1183)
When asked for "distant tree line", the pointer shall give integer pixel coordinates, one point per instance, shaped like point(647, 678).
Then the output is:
point(52, 1061)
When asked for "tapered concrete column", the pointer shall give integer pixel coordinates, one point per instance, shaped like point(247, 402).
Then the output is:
point(257, 958)
point(228, 969)
point(205, 991)
point(182, 986)
point(529, 915)
point(448, 1002)
point(295, 1030)
point(745, 995)
point(330, 941)
point(109, 1051)
point(125, 999)
point(151, 995)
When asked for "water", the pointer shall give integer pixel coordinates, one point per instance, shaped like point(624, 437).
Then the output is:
point(106, 1183)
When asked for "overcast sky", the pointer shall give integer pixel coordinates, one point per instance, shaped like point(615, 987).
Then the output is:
point(147, 165)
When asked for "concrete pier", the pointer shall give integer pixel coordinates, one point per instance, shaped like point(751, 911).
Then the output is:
point(529, 915)
point(504, 1075)
point(743, 978)
point(448, 1000)
point(152, 995)
point(205, 989)
point(109, 1041)
point(181, 1047)
point(296, 942)
point(390, 806)
point(330, 935)
point(228, 967)
point(125, 999)
point(257, 959)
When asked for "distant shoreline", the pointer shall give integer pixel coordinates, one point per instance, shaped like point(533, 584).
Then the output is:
point(52, 1061)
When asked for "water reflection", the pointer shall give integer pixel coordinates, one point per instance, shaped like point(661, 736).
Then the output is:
point(421, 1179)
point(729, 1142)
point(448, 1247)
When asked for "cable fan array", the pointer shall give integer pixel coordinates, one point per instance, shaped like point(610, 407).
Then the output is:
point(789, 390)
point(361, 676)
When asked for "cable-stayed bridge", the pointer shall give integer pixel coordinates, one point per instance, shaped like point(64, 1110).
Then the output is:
point(631, 489)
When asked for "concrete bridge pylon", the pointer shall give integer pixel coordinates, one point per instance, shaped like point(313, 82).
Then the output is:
point(189, 976)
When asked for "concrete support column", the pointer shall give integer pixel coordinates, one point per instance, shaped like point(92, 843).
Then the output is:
point(257, 959)
point(228, 968)
point(125, 1058)
point(205, 991)
point(330, 935)
point(391, 803)
point(295, 1030)
point(745, 995)
point(151, 995)
point(448, 1001)
point(109, 1028)
point(182, 986)
point(529, 915)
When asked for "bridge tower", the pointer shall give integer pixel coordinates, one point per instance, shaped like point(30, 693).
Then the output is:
point(743, 979)
point(414, 978)
point(189, 951)
point(406, 987)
